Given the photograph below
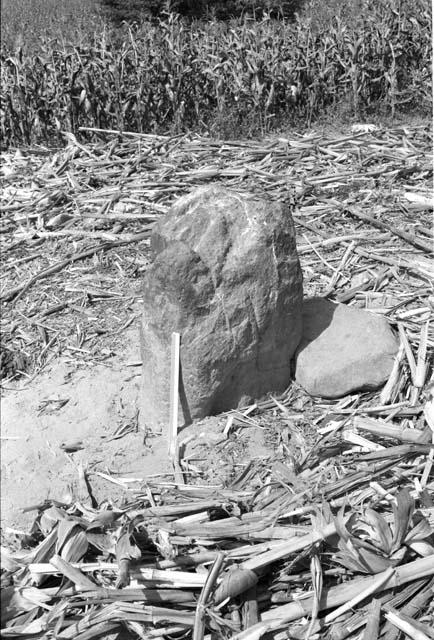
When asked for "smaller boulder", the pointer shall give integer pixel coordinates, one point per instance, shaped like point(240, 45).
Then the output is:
point(343, 349)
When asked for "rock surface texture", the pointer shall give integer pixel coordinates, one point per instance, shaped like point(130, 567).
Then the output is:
point(343, 349)
point(226, 276)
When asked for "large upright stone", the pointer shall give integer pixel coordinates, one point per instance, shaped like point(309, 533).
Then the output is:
point(343, 349)
point(226, 276)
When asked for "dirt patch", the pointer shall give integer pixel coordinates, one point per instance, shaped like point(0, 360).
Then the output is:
point(95, 404)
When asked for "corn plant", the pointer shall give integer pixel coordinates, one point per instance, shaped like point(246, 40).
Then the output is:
point(243, 75)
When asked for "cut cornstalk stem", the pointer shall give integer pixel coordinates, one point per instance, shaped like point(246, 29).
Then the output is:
point(405, 626)
point(199, 620)
point(405, 434)
point(81, 581)
point(335, 596)
point(373, 587)
point(288, 548)
point(408, 352)
point(421, 366)
point(386, 393)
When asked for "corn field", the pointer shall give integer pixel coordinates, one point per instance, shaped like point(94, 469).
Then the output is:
point(241, 77)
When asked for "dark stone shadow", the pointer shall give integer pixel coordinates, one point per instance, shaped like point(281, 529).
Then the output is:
point(183, 400)
point(317, 316)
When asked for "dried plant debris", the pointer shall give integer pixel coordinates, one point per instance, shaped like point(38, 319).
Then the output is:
point(75, 226)
point(332, 536)
point(12, 363)
point(312, 549)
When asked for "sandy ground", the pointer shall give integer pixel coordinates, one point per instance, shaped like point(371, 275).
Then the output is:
point(91, 404)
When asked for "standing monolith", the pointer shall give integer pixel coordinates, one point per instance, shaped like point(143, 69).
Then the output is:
point(226, 276)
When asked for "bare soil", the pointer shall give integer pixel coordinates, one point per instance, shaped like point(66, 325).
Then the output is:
point(66, 404)
point(97, 405)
